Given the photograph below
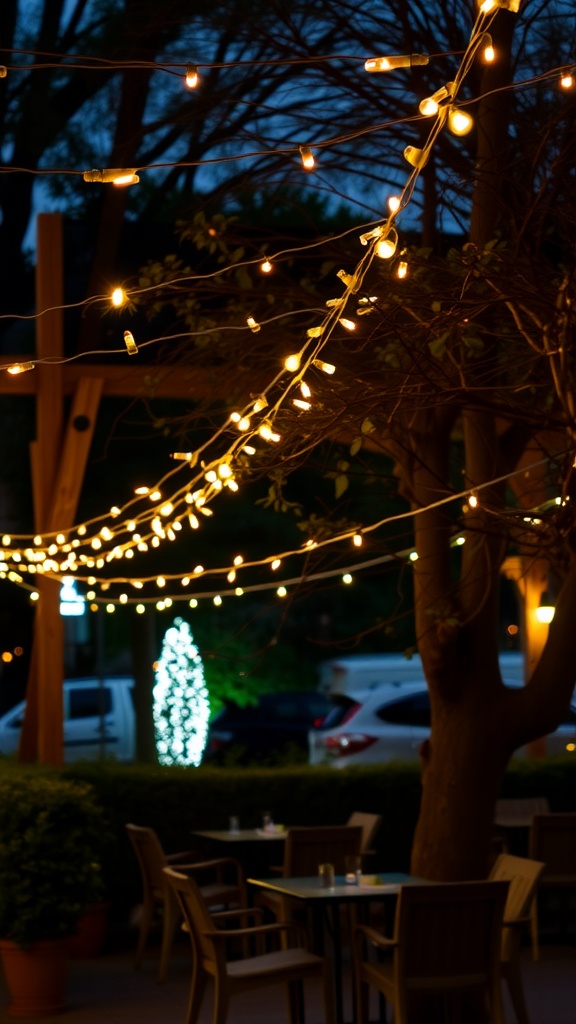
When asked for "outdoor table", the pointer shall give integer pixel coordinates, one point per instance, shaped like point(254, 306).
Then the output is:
point(324, 904)
point(256, 849)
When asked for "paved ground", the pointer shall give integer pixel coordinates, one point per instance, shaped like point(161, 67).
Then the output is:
point(106, 990)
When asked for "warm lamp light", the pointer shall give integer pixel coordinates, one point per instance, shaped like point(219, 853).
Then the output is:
point(545, 610)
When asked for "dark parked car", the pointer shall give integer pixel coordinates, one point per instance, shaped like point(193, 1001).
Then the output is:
point(275, 730)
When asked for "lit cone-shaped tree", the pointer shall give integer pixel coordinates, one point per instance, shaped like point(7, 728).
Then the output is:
point(181, 704)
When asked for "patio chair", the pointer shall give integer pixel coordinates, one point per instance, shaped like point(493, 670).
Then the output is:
point(369, 823)
point(304, 850)
point(157, 894)
point(446, 942)
point(523, 876)
point(291, 964)
point(553, 840)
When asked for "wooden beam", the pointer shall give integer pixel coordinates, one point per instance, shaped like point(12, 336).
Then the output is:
point(120, 380)
point(77, 441)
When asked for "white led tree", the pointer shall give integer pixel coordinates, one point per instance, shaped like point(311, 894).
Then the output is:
point(181, 703)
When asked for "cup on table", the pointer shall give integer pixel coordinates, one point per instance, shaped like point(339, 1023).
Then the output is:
point(353, 868)
point(234, 825)
point(326, 876)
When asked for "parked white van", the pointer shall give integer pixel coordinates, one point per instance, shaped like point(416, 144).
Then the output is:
point(99, 720)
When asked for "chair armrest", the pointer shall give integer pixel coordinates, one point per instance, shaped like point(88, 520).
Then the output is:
point(256, 930)
point(245, 913)
point(516, 922)
point(375, 937)
point(215, 862)
point(174, 858)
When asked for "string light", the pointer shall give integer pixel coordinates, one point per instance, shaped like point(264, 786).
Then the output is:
point(16, 368)
point(386, 247)
point(191, 77)
point(567, 81)
point(131, 346)
point(402, 269)
point(118, 297)
point(459, 122)
point(115, 175)
point(266, 267)
point(308, 161)
point(417, 157)
point(391, 63)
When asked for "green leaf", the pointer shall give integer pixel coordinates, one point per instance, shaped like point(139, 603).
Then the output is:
point(341, 484)
point(368, 426)
point(356, 446)
point(438, 345)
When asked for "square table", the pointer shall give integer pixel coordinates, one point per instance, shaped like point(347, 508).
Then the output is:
point(256, 849)
point(320, 901)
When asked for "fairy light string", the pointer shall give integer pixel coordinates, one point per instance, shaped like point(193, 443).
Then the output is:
point(146, 521)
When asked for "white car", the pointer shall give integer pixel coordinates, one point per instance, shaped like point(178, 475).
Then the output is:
point(390, 724)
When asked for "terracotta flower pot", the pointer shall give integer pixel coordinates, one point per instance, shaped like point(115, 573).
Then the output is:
point(90, 934)
point(35, 977)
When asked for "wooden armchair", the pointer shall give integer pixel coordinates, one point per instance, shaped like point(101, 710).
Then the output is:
point(553, 840)
point(446, 942)
point(224, 885)
point(369, 823)
point(523, 876)
point(291, 964)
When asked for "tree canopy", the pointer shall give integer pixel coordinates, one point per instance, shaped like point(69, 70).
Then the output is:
point(451, 356)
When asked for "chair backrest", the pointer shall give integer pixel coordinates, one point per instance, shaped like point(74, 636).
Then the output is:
point(523, 876)
point(151, 856)
point(520, 809)
point(448, 935)
point(306, 848)
point(553, 840)
point(196, 916)
point(369, 823)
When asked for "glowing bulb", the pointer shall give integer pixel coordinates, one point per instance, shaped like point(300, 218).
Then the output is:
point(266, 267)
point(292, 363)
point(386, 247)
point(325, 367)
point(428, 107)
point(244, 423)
point(394, 203)
point(459, 122)
point(301, 404)
point(308, 161)
point(281, 591)
point(413, 556)
point(217, 600)
point(305, 390)
point(357, 540)
point(404, 60)
point(140, 609)
point(567, 81)
point(260, 404)
point(275, 564)
point(253, 324)
point(348, 324)
point(347, 578)
point(118, 297)
point(545, 613)
point(192, 77)
point(402, 269)
point(15, 368)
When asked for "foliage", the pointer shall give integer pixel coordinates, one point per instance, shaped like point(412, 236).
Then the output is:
point(52, 837)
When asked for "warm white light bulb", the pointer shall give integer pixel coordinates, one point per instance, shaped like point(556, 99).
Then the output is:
point(386, 247)
point(292, 363)
point(192, 77)
point(459, 122)
point(118, 297)
point(394, 203)
point(308, 161)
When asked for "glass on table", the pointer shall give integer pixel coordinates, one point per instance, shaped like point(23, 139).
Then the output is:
point(353, 868)
point(326, 876)
point(234, 825)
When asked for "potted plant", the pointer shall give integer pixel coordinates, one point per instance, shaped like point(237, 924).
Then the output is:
point(51, 833)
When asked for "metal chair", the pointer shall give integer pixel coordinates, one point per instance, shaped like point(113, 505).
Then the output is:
point(446, 942)
point(157, 894)
point(552, 840)
point(523, 876)
point(290, 965)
